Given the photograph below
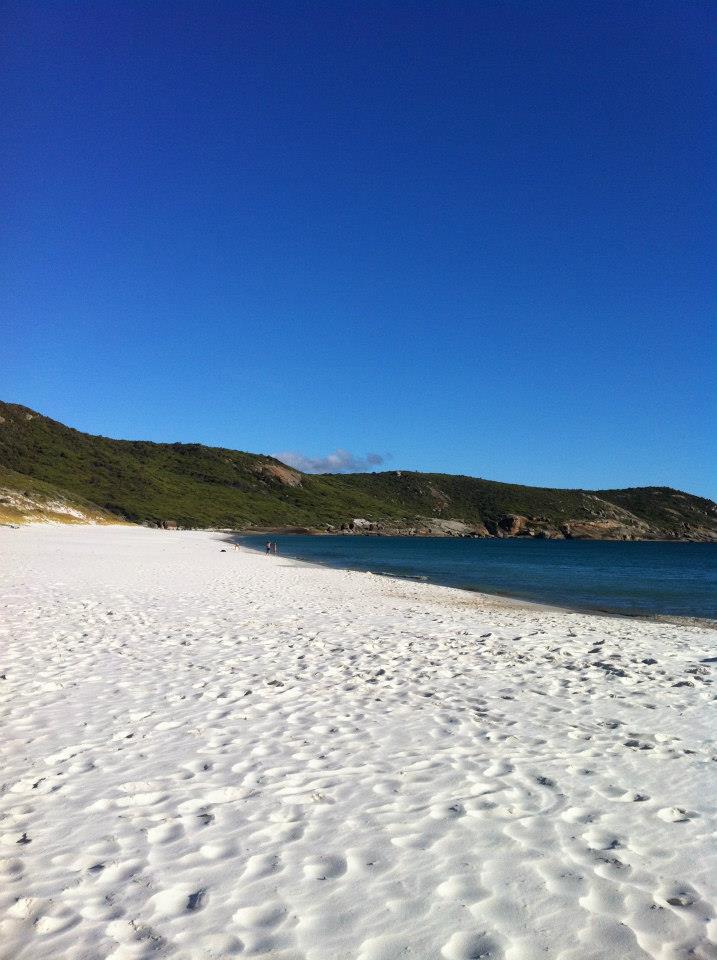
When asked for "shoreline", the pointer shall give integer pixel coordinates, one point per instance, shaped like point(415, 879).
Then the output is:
point(212, 753)
point(518, 601)
point(709, 623)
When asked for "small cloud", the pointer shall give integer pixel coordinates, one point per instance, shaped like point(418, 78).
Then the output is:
point(341, 461)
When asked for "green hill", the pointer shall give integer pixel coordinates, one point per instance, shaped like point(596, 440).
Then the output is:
point(199, 486)
point(24, 499)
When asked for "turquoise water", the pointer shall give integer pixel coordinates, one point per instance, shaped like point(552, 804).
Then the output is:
point(634, 578)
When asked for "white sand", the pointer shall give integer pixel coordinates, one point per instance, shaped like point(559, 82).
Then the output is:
point(210, 755)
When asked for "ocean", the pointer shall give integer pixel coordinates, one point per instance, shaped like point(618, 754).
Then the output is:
point(678, 579)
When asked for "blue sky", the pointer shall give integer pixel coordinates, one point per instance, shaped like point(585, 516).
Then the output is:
point(464, 237)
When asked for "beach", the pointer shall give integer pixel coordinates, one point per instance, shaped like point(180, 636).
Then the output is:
point(212, 753)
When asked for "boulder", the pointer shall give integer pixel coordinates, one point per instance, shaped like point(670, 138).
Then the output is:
point(512, 525)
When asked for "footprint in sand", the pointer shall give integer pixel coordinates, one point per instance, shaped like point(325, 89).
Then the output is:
point(261, 865)
point(447, 811)
point(500, 768)
point(11, 870)
point(197, 899)
point(580, 815)
point(386, 947)
point(479, 808)
point(219, 850)
point(326, 867)
point(264, 916)
point(222, 945)
point(461, 888)
point(631, 797)
point(472, 946)
point(165, 833)
point(682, 897)
point(56, 920)
point(601, 840)
point(675, 815)
point(177, 900)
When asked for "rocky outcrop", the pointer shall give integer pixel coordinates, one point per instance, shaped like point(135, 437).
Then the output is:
point(277, 471)
point(359, 525)
point(421, 527)
point(512, 525)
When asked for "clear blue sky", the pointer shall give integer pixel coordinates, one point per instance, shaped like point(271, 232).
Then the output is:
point(467, 237)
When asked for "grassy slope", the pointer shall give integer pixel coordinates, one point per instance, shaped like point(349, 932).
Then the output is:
point(24, 499)
point(213, 486)
point(667, 508)
point(468, 498)
point(190, 483)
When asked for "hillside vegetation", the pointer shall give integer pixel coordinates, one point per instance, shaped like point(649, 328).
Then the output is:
point(26, 500)
point(199, 486)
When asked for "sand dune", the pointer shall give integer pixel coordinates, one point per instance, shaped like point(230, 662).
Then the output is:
point(210, 755)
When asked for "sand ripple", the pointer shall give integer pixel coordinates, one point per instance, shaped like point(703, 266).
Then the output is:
point(212, 755)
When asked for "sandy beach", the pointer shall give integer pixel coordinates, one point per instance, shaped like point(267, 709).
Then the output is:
point(212, 754)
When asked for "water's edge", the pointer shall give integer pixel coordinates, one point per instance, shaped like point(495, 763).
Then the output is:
point(290, 548)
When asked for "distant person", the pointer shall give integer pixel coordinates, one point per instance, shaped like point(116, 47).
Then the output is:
point(269, 545)
point(274, 547)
